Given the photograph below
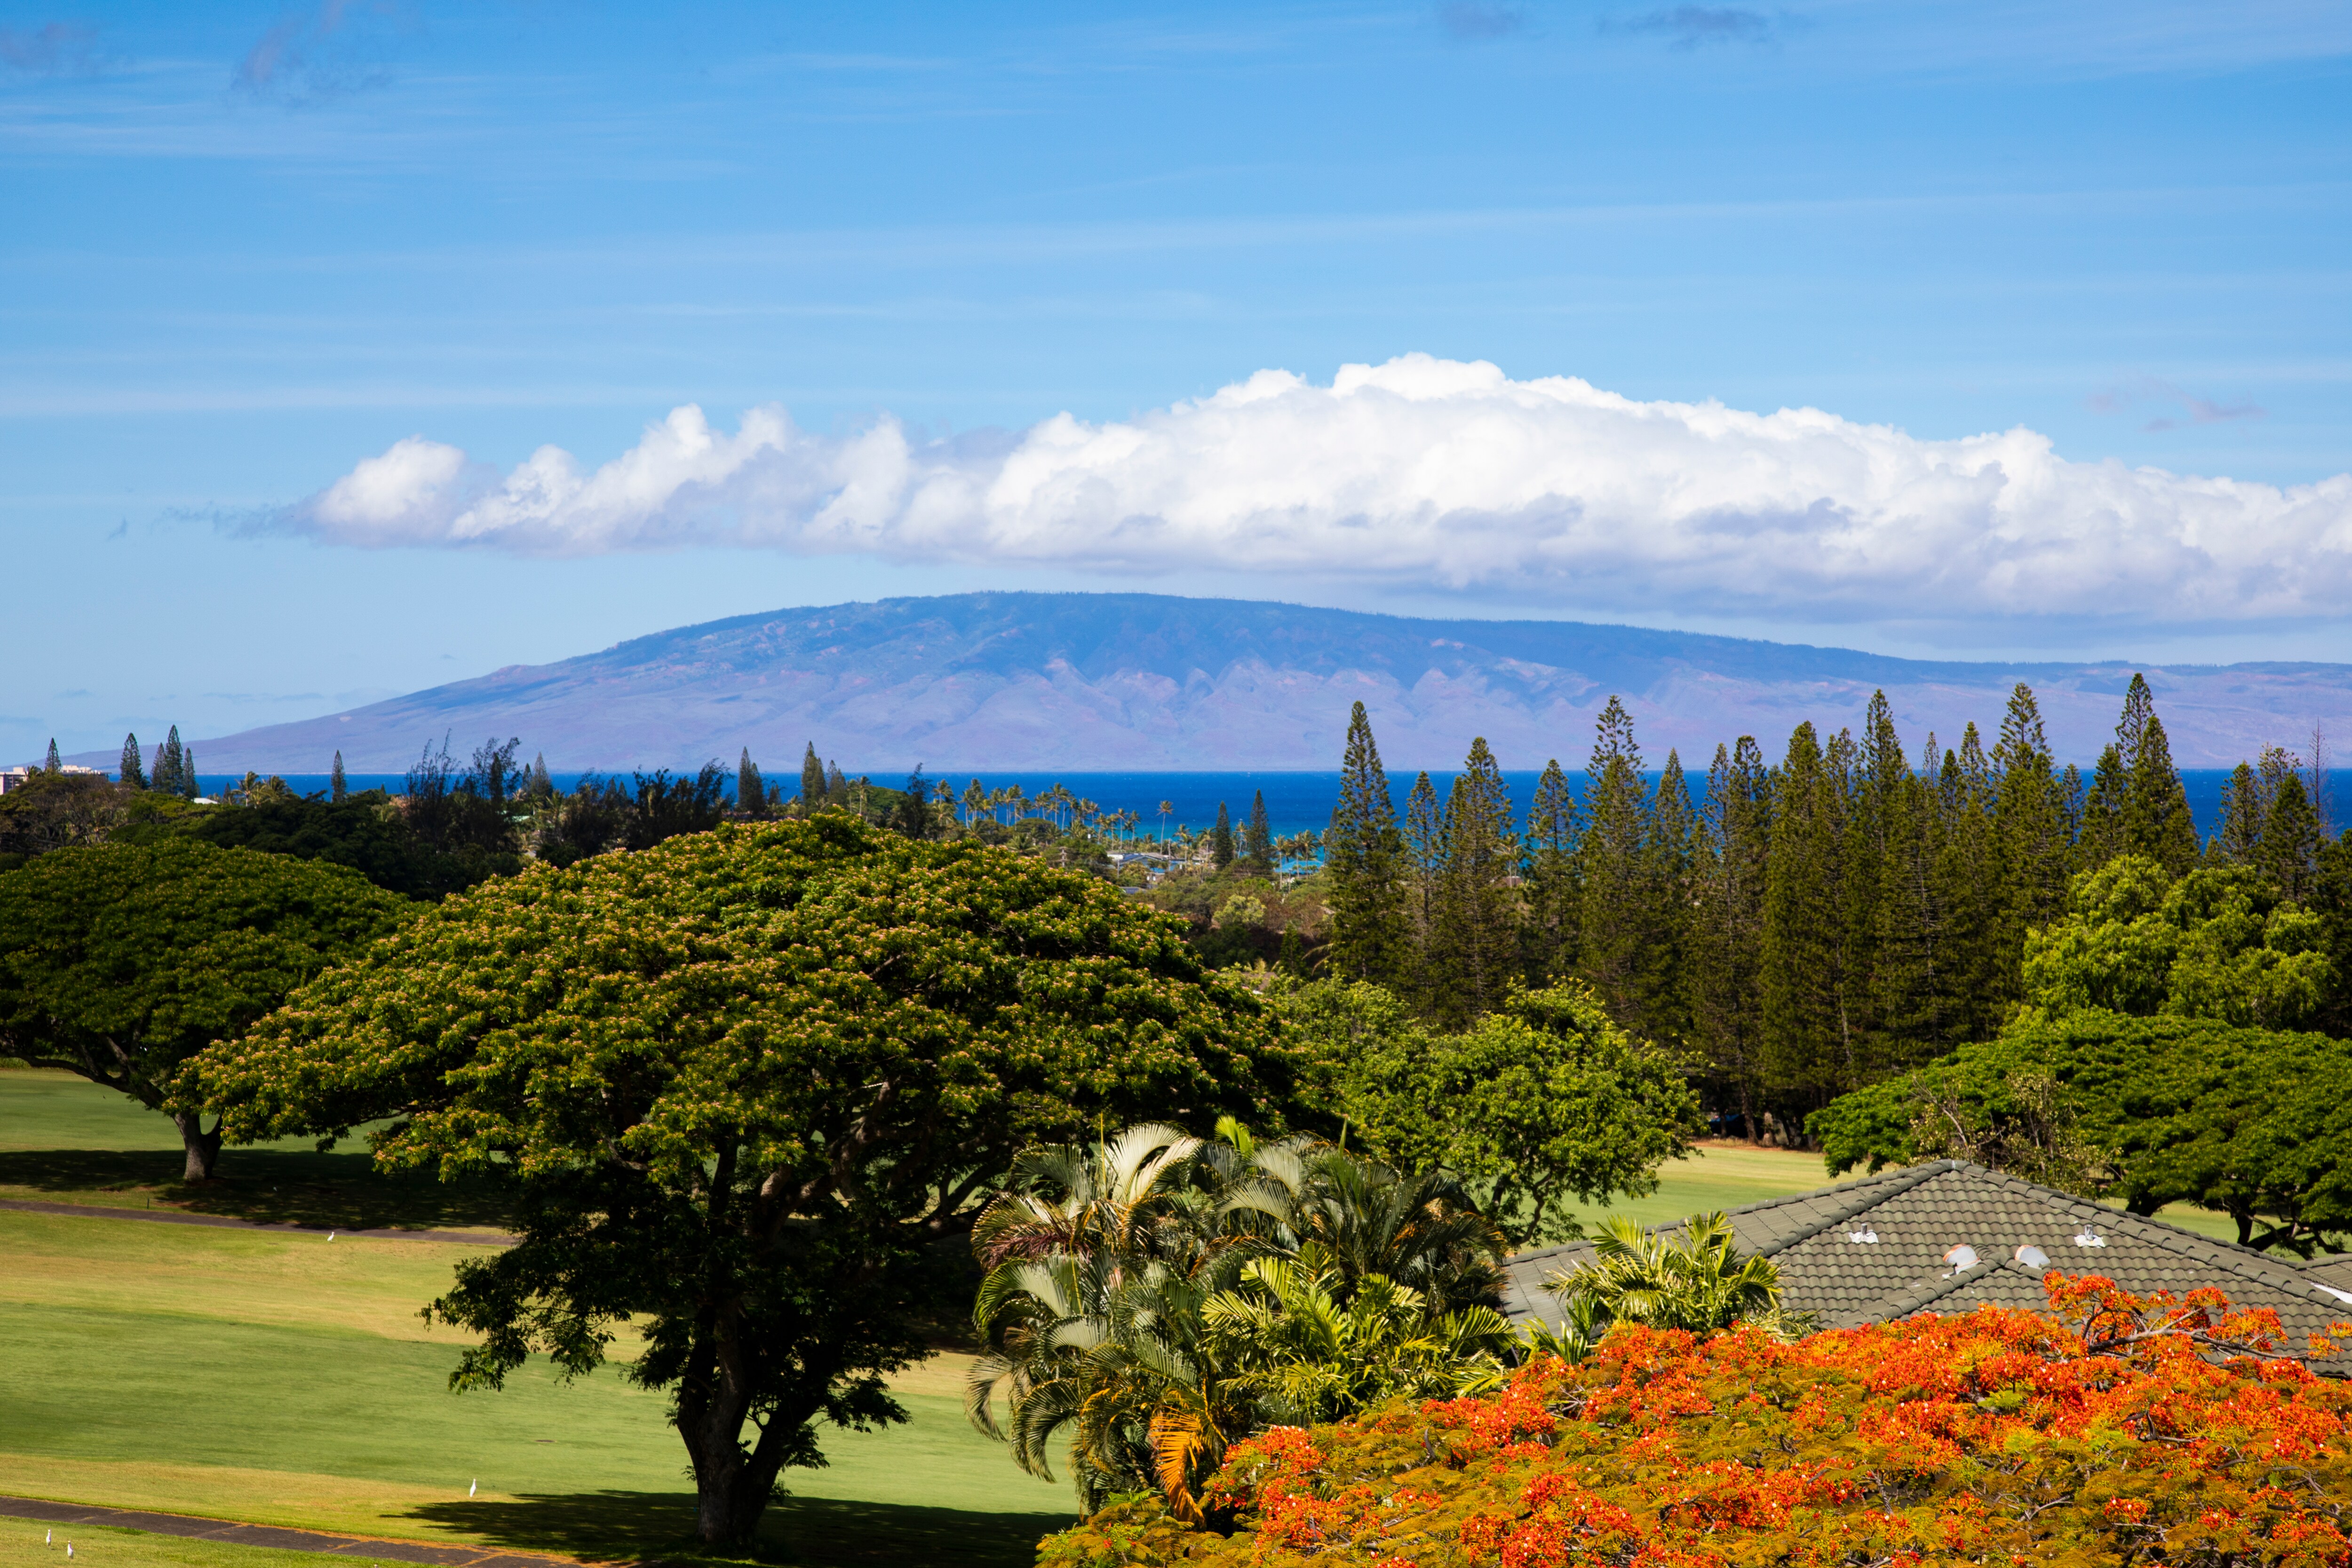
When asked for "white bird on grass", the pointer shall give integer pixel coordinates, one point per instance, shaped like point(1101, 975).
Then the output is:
point(469, 1490)
point(330, 1236)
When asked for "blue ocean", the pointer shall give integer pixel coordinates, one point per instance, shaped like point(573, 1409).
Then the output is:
point(1295, 802)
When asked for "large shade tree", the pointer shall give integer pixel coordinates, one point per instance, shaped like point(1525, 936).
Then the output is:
point(120, 962)
point(742, 1081)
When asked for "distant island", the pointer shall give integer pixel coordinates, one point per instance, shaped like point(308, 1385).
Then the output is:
point(1154, 682)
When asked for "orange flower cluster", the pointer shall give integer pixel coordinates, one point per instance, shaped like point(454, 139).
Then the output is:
point(2115, 1429)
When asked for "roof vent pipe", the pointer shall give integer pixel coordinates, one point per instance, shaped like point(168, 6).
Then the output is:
point(1962, 1259)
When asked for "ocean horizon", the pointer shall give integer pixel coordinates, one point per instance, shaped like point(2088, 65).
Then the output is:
point(1295, 801)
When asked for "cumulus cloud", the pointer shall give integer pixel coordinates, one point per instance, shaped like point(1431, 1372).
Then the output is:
point(1424, 472)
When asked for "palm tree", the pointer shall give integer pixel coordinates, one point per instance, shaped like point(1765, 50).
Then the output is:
point(1087, 1199)
point(1288, 1335)
point(1167, 810)
point(1698, 1282)
point(1104, 1260)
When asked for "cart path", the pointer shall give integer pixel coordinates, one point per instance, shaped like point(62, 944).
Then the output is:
point(100, 1211)
point(196, 1528)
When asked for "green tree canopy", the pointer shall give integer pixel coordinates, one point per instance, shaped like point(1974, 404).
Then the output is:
point(1544, 1099)
point(742, 1080)
point(2256, 1123)
point(2217, 943)
point(120, 961)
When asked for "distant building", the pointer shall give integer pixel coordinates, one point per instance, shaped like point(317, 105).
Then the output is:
point(1946, 1236)
point(17, 778)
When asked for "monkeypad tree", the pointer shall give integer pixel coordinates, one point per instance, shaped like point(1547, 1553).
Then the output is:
point(120, 962)
point(742, 1081)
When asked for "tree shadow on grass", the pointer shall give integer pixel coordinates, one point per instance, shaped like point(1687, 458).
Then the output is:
point(817, 1532)
point(272, 1186)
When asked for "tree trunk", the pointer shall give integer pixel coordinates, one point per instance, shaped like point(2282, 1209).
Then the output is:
point(204, 1148)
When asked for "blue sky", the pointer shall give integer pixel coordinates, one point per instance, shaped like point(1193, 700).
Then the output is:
point(250, 251)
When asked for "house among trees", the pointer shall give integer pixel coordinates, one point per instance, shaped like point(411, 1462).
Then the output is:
point(1947, 1236)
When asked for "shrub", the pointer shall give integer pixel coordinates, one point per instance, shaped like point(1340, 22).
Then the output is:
point(2113, 1429)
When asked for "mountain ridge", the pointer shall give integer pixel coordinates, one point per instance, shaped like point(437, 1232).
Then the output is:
point(1153, 682)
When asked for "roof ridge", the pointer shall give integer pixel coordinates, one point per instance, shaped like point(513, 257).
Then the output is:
point(2177, 1239)
point(1882, 1185)
point(1880, 1191)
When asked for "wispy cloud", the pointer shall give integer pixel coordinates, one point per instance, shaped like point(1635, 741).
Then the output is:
point(1480, 20)
point(1418, 474)
point(53, 48)
point(1692, 26)
point(316, 55)
point(2120, 399)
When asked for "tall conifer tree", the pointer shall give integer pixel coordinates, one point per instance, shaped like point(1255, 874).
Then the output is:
point(2100, 838)
point(170, 776)
point(2238, 840)
point(1477, 922)
point(1424, 855)
point(1730, 873)
point(1614, 874)
point(134, 773)
point(1548, 944)
point(2034, 850)
point(189, 789)
point(2157, 820)
point(751, 791)
point(2289, 851)
point(1969, 888)
point(1257, 838)
point(337, 788)
point(1907, 995)
point(54, 765)
point(1221, 840)
point(1363, 852)
point(814, 781)
point(1669, 855)
point(1806, 1052)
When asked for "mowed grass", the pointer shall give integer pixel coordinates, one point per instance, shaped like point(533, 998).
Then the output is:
point(282, 1378)
point(278, 1377)
point(23, 1544)
point(66, 1140)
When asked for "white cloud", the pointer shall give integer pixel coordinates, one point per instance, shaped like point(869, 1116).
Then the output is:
point(1429, 472)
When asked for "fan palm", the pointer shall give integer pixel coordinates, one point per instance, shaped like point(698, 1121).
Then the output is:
point(1698, 1282)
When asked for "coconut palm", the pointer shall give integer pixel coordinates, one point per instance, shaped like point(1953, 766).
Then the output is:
point(1699, 1280)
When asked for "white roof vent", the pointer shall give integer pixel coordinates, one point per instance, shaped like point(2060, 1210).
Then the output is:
point(1865, 1235)
point(2087, 1237)
point(1962, 1259)
point(2032, 1256)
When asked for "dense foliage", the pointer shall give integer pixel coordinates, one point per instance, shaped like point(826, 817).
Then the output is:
point(2111, 1430)
point(1153, 1297)
point(2255, 1123)
point(1542, 1100)
point(120, 962)
point(1845, 912)
point(742, 1080)
point(2221, 941)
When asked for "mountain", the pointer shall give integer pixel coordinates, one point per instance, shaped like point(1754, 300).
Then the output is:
point(1147, 682)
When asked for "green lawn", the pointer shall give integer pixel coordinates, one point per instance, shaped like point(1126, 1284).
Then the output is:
point(64, 1140)
point(284, 1378)
point(23, 1543)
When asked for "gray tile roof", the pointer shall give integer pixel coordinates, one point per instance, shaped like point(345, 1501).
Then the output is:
point(1908, 1219)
